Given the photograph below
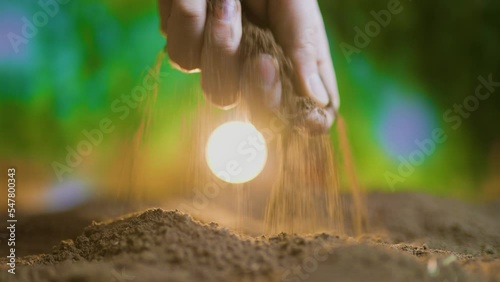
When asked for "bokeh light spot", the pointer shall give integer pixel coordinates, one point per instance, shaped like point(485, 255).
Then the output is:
point(236, 152)
point(404, 120)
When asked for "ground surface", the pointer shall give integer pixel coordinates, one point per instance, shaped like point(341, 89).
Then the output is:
point(412, 237)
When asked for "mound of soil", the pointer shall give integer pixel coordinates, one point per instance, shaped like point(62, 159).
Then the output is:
point(446, 240)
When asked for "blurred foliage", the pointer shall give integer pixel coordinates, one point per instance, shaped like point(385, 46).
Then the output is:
point(428, 58)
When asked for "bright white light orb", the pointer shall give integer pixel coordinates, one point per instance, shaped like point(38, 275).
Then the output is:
point(236, 152)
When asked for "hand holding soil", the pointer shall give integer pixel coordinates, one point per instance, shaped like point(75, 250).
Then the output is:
point(207, 37)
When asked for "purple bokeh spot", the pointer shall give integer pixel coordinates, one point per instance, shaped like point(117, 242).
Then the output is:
point(11, 23)
point(404, 120)
point(67, 195)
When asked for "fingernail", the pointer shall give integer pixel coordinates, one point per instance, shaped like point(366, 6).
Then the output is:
point(317, 90)
point(225, 10)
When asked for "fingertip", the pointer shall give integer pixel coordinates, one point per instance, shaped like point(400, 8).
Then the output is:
point(308, 79)
point(222, 97)
point(186, 24)
point(327, 74)
point(319, 121)
point(335, 100)
point(220, 63)
point(316, 90)
point(187, 61)
point(311, 119)
point(269, 68)
point(261, 81)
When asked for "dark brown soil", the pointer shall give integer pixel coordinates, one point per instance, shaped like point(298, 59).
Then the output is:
point(413, 238)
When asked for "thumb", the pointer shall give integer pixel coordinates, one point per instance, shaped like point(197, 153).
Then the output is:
point(297, 31)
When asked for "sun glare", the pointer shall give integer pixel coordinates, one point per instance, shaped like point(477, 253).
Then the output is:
point(236, 152)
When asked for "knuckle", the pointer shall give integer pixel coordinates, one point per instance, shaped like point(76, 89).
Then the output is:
point(306, 47)
point(310, 34)
point(224, 39)
point(190, 12)
point(305, 51)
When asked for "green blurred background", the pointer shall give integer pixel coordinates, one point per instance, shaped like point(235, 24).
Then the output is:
point(65, 78)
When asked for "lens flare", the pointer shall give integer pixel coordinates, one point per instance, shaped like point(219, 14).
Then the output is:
point(236, 152)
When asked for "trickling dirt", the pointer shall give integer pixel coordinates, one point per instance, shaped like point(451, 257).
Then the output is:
point(304, 152)
point(413, 238)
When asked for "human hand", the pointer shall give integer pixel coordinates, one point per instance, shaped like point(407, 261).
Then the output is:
point(210, 42)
